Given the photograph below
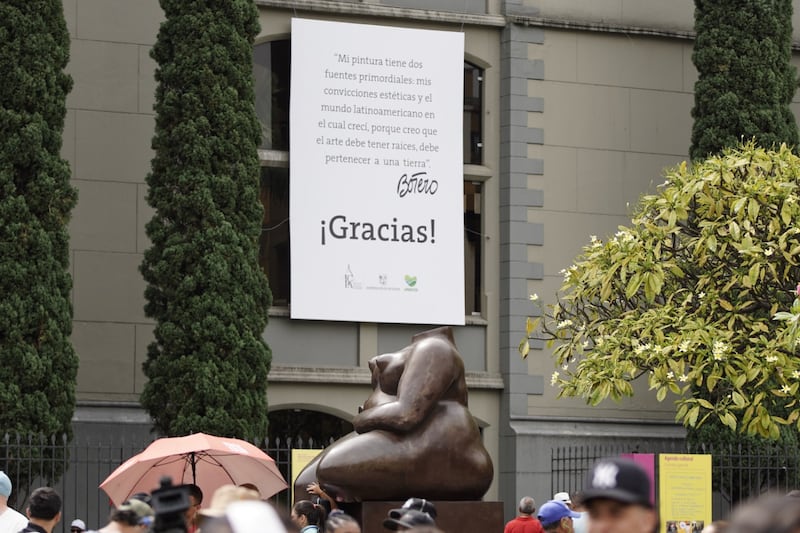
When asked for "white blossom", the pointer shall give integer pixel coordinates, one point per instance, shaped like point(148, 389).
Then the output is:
point(719, 350)
point(554, 378)
point(684, 346)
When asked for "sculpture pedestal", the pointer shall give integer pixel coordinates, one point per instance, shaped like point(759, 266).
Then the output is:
point(452, 517)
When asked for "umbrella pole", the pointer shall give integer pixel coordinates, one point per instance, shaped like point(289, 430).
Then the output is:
point(194, 469)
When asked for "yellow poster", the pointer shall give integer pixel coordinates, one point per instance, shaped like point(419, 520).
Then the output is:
point(300, 458)
point(684, 482)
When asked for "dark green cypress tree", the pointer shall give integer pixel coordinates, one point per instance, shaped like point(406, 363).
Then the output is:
point(38, 364)
point(208, 365)
point(746, 82)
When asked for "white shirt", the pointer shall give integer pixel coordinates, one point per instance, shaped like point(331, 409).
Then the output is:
point(11, 521)
point(581, 525)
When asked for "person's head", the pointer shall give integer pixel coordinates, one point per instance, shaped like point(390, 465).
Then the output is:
point(306, 513)
point(771, 513)
point(341, 523)
point(564, 498)
point(77, 526)
point(527, 505)
point(134, 513)
point(44, 505)
point(555, 516)
point(142, 497)
point(417, 504)
point(5, 488)
point(409, 520)
point(195, 501)
point(718, 526)
point(617, 496)
point(222, 498)
point(251, 486)
point(252, 516)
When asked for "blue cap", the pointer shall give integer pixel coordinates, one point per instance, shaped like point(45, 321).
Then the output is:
point(5, 485)
point(553, 511)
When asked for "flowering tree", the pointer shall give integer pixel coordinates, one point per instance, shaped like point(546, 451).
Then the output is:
point(688, 295)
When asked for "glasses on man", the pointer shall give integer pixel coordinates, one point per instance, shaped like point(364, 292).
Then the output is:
point(75, 530)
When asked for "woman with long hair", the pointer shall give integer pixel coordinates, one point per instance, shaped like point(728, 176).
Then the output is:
point(308, 516)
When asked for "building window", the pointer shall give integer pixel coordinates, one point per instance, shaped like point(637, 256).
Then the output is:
point(473, 239)
point(271, 71)
point(273, 254)
point(473, 114)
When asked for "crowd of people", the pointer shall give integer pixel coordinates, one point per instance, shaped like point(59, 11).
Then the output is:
point(616, 498)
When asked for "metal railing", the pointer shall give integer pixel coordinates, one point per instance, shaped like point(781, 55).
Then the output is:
point(738, 472)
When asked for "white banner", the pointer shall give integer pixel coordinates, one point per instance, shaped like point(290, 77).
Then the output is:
point(376, 174)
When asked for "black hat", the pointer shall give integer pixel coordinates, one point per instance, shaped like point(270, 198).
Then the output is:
point(418, 504)
point(410, 518)
point(619, 479)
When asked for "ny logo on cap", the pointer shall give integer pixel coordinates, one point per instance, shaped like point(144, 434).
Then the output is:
point(605, 476)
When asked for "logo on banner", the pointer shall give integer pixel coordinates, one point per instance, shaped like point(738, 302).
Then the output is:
point(350, 279)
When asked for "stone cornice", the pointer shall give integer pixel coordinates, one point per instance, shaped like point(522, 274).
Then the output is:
point(377, 10)
point(361, 376)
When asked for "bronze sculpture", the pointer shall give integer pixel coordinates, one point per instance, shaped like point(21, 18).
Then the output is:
point(414, 435)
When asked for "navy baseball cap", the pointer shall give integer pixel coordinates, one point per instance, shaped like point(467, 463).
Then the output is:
point(553, 511)
point(619, 479)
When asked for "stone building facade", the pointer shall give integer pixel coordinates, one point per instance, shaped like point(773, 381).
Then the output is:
point(572, 111)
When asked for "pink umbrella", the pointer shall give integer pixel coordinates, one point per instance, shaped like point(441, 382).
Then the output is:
point(204, 460)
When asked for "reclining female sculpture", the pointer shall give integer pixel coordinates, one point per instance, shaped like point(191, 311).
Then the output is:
point(414, 435)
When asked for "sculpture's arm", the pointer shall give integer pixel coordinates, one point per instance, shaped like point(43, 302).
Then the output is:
point(430, 370)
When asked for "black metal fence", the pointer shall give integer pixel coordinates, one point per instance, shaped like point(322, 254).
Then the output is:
point(76, 470)
point(738, 472)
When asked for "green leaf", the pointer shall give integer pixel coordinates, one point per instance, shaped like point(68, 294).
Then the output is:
point(691, 417)
point(738, 400)
point(705, 403)
point(661, 394)
point(524, 348)
point(729, 420)
point(753, 209)
point(711, 243)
